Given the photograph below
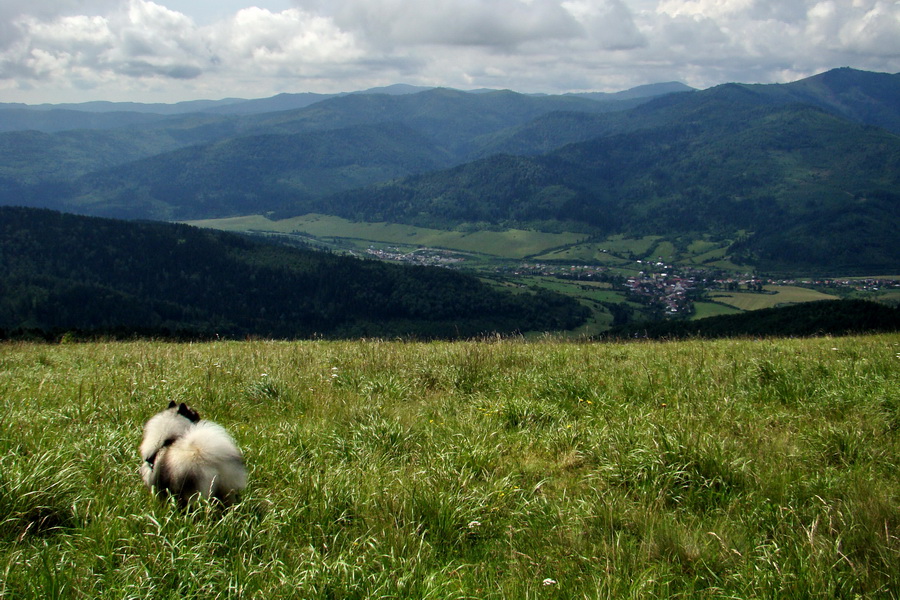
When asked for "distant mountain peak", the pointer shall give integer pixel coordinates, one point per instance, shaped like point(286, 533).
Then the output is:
point(649, 90)
point(397, 89)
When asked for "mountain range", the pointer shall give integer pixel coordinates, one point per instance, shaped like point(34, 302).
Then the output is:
point(802, 176)
point(56, 117)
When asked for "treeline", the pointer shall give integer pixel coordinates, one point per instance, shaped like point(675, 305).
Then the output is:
point(826, 317)
point(62, 272)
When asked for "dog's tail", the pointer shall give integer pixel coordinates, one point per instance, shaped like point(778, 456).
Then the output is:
point(208, 462)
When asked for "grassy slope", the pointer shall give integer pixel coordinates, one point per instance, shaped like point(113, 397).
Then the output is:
point(490, 470)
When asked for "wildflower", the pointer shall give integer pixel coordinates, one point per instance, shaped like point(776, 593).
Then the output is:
point(548, 581)
point(474, 524)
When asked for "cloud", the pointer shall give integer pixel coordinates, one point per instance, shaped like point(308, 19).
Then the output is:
point(866, 28)
point(12, 11)
point(289, 42)
point(498, 23)
point(132, 48)
point(609, 24)
point(141, 39)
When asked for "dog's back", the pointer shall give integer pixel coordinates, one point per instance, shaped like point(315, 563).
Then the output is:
point(185, 456)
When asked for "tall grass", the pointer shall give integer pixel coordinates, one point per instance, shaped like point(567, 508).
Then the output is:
point(504, 469)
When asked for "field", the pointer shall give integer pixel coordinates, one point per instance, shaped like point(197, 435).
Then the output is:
point(488, 469)
point(778, 295)
point(512, 243)
point(712, 309)
point(616, 252)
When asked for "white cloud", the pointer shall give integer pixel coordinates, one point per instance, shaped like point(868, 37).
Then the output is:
point(863, 27)
point(50, 50)
point(142, 39)
point(281, 43)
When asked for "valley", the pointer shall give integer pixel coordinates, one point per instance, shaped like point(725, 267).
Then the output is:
point(619, 279)
point(670, 204)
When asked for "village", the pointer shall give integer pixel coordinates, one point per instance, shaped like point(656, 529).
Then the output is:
point(420, 256)
point(670, 289)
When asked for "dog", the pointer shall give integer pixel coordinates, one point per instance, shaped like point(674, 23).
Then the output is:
point(187, 457)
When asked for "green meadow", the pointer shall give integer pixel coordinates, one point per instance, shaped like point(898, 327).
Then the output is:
point(499, 468)
point(617, 251)
point(510, 243)
point(776, 295)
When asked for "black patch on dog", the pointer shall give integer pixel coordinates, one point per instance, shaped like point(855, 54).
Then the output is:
point(151, 460)
point(167, 485)
point(188, 413)
point(162, 478)
point(190, 485)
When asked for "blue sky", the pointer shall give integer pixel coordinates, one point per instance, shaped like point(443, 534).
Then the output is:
point(170, 50)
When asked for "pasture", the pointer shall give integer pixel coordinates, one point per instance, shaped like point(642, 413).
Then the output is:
point(510, 243)
point(777, 295)
point(482, 469)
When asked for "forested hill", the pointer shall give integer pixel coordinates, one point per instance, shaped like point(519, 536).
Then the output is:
point(815, 191)
point(826, 317)
point(62, 272)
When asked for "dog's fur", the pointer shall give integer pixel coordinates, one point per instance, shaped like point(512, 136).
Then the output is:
point(185, 457)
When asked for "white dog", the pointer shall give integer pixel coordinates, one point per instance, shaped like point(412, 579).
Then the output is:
point(185, 456)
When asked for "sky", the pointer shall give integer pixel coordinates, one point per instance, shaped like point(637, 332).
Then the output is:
point(54, 51)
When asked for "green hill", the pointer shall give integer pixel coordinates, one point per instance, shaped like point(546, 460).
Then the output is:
point(63, 272)
point(450, 118)
point(127, 172)
point(816, 191)
point(255, 174)
point(870, 98)
point(859, 96)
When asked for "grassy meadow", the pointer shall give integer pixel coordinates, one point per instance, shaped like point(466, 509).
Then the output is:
point(490, 469)
point(509, 243)
point(777, 295)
